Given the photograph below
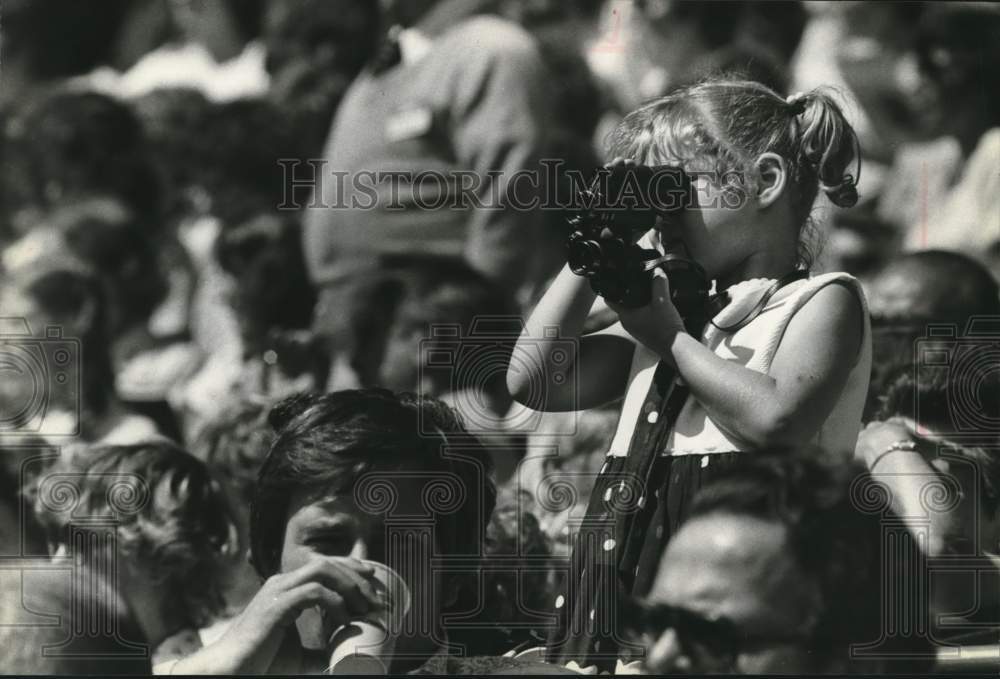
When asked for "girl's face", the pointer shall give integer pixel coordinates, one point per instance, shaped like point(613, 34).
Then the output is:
point(718, 227)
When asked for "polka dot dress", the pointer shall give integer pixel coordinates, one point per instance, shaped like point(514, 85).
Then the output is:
point(637, 503)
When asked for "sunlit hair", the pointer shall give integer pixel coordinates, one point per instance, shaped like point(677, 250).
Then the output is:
point(172, 518)
point(722, 126)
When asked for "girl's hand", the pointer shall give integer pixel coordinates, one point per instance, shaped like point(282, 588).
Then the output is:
point(656, 324)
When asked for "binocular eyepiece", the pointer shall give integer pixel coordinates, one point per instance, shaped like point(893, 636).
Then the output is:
point(622, 203)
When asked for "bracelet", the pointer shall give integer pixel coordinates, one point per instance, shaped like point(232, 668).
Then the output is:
point(903, 444)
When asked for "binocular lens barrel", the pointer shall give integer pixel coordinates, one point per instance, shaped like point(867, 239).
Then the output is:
point(584, 257)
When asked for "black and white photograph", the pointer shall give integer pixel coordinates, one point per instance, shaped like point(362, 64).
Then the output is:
point(499, 337)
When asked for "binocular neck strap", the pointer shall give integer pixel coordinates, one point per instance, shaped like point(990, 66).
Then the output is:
point(791, 277)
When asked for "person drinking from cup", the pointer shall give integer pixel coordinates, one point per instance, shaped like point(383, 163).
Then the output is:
point(362, 502)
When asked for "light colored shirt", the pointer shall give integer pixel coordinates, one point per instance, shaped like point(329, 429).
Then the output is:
point(752, 346)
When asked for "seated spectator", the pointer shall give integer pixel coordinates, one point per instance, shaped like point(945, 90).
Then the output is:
point(209, 45)
point(107, 237)
point(270, 299)
point(777, 570)
point(271, 296)
point(314, 50)
point(664, 45)
point(170, 533)
point(932, 445)
point(20, 533)
point(342, 472)
point(80, 144)
point(390, 328)
point(915, 290)
point(59, 294)
point(441, 294)
point(943, 190)
point(239, 183)
point(453, 91)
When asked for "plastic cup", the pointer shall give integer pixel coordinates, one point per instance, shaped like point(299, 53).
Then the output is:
point(365, 646)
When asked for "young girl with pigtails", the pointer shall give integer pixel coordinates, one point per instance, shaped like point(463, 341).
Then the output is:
point(785, 362)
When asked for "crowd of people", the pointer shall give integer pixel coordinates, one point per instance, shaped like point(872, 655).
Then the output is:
point(285, 294)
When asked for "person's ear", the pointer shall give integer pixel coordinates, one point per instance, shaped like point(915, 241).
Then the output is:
point(772, 175)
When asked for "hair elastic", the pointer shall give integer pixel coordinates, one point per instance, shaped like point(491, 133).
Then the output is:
point(797, 102)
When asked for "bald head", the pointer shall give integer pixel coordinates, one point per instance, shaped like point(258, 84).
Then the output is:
point(739, 567)
point(934, 285)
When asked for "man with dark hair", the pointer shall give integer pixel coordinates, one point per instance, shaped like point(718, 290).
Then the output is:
point(354, 476)
point(779, 569)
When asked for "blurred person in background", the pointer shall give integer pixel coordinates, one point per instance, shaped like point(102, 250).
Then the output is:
point(450, 91)
point(210, 45)
point(70, 145)
point(852, 47)
point(871, 40)
point(171, 534)
point(235, 183)
point(659, 45)
point(31, 644)
point(932, 446)
point(943, 188)
point(315, 49)
point(914, 291)
point(273, 301)
point(32, 647)
point(104, 235)
point(564, 31)
point(776, 571)
point(435, 326)
point(59, 305)
point(44, 42)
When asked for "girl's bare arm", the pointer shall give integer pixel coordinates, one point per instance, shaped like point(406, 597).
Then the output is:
point(553, 368)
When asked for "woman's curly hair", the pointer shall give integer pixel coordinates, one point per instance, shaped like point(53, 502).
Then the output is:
point(172, 520)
